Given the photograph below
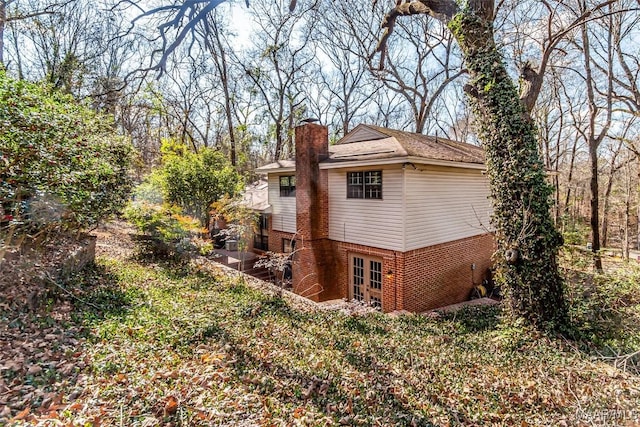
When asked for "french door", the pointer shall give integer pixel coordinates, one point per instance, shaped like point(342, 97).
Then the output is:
point(365, 279)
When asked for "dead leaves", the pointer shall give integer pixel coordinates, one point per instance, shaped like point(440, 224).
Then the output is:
point(38, 355)
point(187, 354)
point(171, 405)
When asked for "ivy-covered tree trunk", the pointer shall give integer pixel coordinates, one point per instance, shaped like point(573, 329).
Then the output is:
point(526, 237)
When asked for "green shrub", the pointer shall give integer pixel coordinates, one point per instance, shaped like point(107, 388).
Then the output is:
point(61, 164)
point(150, 190)
point(605, 309)
point(194, 181)
point(163, 222)
point(575, 232)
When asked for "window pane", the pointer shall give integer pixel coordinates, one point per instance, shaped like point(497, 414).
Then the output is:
point(373, 185)
point(375, 280)
point(354, 178)
point(373, 177)
point(355, 192)
point(355, 188)
point(288, 245)
point(288, 186)
point(373, 192)
point(358, 278)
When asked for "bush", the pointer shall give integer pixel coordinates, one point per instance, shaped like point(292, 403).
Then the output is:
point(605, 309)
point(194, 181)
point(150, 190)
point(575, 232)
point(169, 230)
point(61, 164)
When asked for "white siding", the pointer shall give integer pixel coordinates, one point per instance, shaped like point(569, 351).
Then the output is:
point(371, 222)
point(283, 209)
point(445, 204)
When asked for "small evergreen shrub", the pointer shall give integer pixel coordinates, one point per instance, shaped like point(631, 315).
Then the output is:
point(62, 165)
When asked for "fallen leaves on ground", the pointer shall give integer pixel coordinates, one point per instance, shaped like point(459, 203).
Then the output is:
point(174, 344)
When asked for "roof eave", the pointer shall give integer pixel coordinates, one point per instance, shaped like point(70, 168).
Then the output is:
point(449, 163)
point(275, 170)
point(401, 160)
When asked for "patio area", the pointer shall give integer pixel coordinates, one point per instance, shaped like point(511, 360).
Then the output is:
point(242, 261)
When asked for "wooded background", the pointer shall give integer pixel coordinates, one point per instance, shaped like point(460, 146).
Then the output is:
point(240, 78)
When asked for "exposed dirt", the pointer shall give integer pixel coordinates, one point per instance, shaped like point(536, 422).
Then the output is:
point(115, 240)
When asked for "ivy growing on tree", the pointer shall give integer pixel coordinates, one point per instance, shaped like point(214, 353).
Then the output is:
point(526, 237)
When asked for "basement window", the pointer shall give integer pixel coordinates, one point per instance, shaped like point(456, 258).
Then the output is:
point(288, 186)
point(364, 185)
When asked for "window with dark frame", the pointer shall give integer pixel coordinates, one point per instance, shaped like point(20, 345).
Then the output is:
point(364, 185)
point(261, 237)
point(288, 186)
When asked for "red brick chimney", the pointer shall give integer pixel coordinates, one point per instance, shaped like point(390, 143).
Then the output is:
point(313, 261)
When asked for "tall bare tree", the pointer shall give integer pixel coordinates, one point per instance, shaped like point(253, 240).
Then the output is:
point(214, 36)
point(276, 66)
point(345, 86)
point(12, 11)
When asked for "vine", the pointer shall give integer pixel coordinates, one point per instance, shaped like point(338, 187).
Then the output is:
point(526, 236)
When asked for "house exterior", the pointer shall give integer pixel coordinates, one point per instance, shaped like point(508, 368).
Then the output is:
point(256, 197)
point(392, 218)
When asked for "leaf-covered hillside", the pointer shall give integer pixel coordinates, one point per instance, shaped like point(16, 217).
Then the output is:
point(145, 343)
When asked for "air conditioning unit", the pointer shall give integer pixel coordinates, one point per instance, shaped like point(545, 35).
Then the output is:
point(231, 245)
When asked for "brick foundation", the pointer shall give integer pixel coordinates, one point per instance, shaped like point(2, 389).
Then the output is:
point(421, 279)
point(441, 275)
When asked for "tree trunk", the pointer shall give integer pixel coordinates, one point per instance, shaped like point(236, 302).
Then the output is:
point(595, 208)
point(567, 199)
point(3, 23)
point(556, 184)
point(627, 220)
point(220, 59)
point(595, 140)
point(526, 237)
point(279, 142)
point(606, 200)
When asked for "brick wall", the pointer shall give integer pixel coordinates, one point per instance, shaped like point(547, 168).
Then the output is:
point(441, 274)
point(390, 263)
point(422, 279)
point(275, 239)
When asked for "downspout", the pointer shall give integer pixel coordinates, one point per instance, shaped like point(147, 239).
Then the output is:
point(404, 234)
point(395, 287)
